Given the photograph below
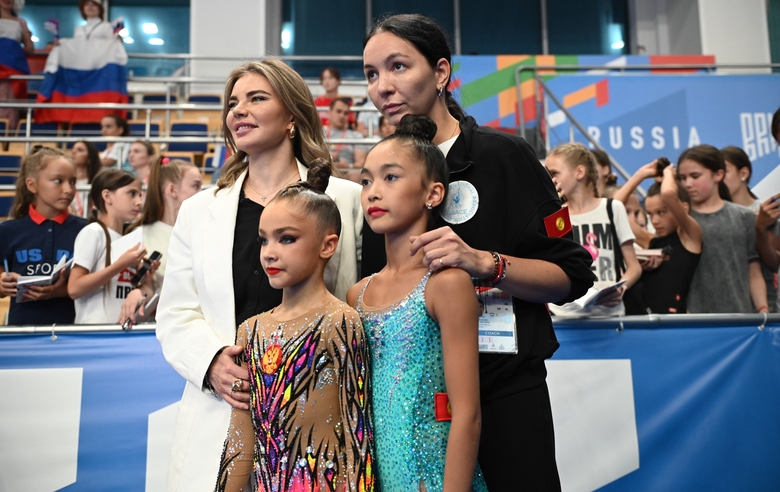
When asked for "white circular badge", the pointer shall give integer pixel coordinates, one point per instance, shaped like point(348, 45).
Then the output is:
point(462, 202)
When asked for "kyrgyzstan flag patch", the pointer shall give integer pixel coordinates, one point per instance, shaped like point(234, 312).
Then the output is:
point(559, 223)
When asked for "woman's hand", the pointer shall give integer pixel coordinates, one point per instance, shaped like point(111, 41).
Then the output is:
point(444, 248)
point(8, 284)
point(134, 299)
point(224, 372)
point(651, 263)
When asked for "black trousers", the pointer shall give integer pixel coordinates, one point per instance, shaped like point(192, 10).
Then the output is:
point(517, 446)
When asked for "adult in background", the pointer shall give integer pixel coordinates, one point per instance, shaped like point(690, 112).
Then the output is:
point(96, 27)
point(345, 156)
point(15, 44)
point(501, 224)
point(214, 280)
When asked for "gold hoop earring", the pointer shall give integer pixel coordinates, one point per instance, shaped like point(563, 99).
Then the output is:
point(292, 132)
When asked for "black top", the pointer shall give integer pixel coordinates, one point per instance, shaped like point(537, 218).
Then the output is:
point(253, 294)
point(665, 288)
point(515, 195)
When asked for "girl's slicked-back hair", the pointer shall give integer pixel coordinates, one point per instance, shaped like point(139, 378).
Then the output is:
point(710, 158)
point(415, 133)
point(682, 193)
point(575, 154)
point(310, 198)
point(309, 140)
point(428, 38)
point(32, 165)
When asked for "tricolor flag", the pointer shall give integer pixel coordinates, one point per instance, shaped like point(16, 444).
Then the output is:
point(13, 61)
point(87, 71)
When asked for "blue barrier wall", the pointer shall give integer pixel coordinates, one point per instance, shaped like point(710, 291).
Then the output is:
point(696, 408)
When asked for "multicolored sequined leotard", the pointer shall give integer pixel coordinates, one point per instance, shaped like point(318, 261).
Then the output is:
point(407, 370)
point(309, 424)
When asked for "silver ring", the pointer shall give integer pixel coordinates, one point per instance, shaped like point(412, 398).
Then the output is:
point(236, 385)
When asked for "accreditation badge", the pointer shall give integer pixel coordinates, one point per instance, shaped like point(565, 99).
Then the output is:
point(496, 322)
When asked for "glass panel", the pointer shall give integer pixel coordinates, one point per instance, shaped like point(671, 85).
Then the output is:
point(517, 30)
point(588, 27)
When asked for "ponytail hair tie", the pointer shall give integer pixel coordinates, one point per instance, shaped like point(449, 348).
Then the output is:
point(165, 160)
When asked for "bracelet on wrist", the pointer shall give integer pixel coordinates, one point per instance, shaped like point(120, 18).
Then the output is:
point(499, 270)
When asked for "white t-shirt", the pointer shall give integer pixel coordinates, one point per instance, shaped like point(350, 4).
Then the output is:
point(157, 236)
point(101, 306)
point(119, 152)
point(592, 230)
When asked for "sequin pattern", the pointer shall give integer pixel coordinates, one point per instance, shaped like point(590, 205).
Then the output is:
point(310, 418)
point(407, 370)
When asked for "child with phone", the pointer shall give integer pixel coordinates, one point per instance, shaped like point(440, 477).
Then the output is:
point(171, 181)
point(666, 279)
point(421, 325)
point(604, 232)
point(39, 234)
point(308, 427)
point(99, 285)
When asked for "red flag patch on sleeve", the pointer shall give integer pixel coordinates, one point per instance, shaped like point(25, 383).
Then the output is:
point(559, 223)
point(443, 411)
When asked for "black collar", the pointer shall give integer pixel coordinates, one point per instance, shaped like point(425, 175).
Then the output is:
point(459, 156)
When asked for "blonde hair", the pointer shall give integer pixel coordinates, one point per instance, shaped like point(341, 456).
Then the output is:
point(576, 154)
point(32, 165)
point(309, 140)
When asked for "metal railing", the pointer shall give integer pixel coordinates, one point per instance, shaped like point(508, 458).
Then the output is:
point(760, 321)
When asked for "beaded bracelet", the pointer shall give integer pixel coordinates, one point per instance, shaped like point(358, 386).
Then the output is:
point(499, 270)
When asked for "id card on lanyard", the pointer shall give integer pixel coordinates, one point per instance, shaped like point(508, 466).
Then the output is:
point(496, 322)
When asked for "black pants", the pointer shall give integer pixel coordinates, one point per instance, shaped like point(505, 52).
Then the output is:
point(517, 447)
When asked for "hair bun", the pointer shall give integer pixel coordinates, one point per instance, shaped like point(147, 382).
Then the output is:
point(319, 174)
point(417, 125)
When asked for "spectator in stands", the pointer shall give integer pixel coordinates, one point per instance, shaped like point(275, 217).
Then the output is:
point(666, 279)
point(385, 127)
point(15, 44)
point(606, 176)
point(98, 284)
point(330, 78)
point(214, 279)
point(345, 156)
point(407, 63)
point(39, 233)
point(573, 169)
point(737, 178)
point(96, 27)
point(87, 160)
point(170, 183)
point(115, 153)
point(140, 159)
point(728, 279)
point(738, 172)
point(767, 242)
point(627, 194)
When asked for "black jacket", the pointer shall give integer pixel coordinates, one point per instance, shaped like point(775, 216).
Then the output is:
point(515, 195)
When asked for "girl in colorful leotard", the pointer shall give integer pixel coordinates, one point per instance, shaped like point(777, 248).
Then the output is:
point(308, 427)
point(421, 326)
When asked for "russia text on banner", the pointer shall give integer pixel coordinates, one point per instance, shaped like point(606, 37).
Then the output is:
point(83, 71)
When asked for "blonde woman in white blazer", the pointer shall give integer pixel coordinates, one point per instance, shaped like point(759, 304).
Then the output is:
point(270, 120)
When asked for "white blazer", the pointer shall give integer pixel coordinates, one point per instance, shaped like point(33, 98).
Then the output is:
point(196, 315)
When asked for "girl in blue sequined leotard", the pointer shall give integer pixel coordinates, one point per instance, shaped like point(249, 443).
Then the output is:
point(421, 326)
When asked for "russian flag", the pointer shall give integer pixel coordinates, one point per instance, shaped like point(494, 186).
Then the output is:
point(84, 71)
point(13, 61)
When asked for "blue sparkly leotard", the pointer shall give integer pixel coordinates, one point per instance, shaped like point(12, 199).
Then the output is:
point(407, 370)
